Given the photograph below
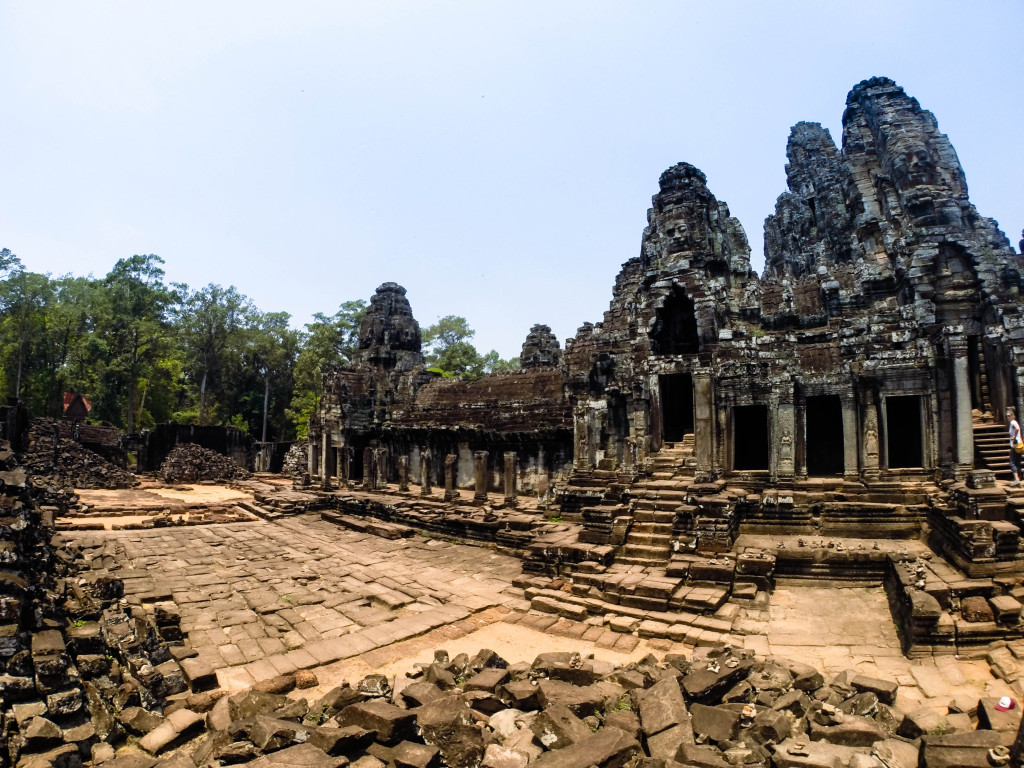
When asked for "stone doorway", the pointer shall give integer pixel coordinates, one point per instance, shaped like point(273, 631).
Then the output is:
point(825, 438)
point(904, 443)
point(676, 406)
point(676, 329)
point(750, 437)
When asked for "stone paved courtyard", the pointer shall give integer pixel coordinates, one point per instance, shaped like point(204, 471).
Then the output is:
point(266, 598)
point(835, 629)
point(261, 599)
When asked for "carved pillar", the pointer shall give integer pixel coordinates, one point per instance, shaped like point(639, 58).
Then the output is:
point(628, 456)
point(403, 474)
point(338, 460)
point(480, 475)
point(325, 445)
point(703, 425)
point(451, 468)
point(581, 437)
point(962, 403)
point(367, 468)
point(310, 457)
point(785, 428)
point(511, 492)
point(872, 441)
point(380, 466)
point(851, 466)
point(425, 476)
point(346, 463)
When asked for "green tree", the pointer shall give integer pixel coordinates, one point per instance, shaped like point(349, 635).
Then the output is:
point(208, 321)
point(329, 342)
point(135, 329)
point(493, 363)
point(274, 350)
point(449, 351)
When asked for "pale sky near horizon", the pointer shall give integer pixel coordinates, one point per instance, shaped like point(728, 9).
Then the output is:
point(495, 158)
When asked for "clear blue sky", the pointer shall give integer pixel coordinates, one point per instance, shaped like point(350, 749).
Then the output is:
point(495, 158)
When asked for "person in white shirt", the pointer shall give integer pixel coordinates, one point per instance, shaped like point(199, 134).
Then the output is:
point(1011, 417)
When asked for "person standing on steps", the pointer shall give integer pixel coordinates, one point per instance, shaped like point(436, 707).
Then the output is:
point(1015, 438)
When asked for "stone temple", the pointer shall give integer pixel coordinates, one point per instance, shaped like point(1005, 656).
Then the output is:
point(862, 377)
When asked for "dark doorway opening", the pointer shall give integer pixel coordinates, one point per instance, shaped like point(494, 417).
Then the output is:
point(825, 439)
point(978, 373)
point(676, 329)
point(750, 437)
point(903, 432)
point(357, 463)
point(676, 406)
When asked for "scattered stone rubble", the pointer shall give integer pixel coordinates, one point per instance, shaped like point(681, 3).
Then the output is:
point(59, 461)
point(717, 708)
point(296, 460)
point(191, 463)
point(80, 668)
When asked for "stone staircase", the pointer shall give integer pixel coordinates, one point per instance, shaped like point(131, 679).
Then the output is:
point(658, 501)
point(991, 448)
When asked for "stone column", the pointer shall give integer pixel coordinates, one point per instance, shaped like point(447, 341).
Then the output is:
point(425, 476)
point(628, 456)
point(703, 425)
point(338, 461)
point(367, 468)
point(962, 404)
point(480, 469)
point(346, 463)
point(380, 466)
point(511, 493)
point(451, 467)
point(851, 467)
point(403, 474)
point(310, 464)
point(325, 446)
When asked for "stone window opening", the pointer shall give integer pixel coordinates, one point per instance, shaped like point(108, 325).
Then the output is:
point(824, 436)
point(676, 406)
point(904, 443)
point(750, 438)
point(675, 331)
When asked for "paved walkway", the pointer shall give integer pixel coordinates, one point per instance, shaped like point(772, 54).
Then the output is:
point(262, 599)
point(847, 628)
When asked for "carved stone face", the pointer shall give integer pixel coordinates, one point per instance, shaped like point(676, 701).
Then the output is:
point(916, 168)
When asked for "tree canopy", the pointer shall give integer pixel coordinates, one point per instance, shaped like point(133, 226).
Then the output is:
point(143, 351)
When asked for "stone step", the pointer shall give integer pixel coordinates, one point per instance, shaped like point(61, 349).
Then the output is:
point(660, 540)
point(654, 516)
point(663, 527)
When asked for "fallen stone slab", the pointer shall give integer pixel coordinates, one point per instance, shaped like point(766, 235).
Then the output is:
point(885, 690)
point(968, 749)
point(609, 748)
point(557, 727)
point(299, 756)
point(177, 727)
point(199, 675)
point(853, 731)
point(449, 724)
point(498, 756)
point(802, 753)
point(662, 706)
point(341, 741)
point(409, 754)
point(719, 723)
